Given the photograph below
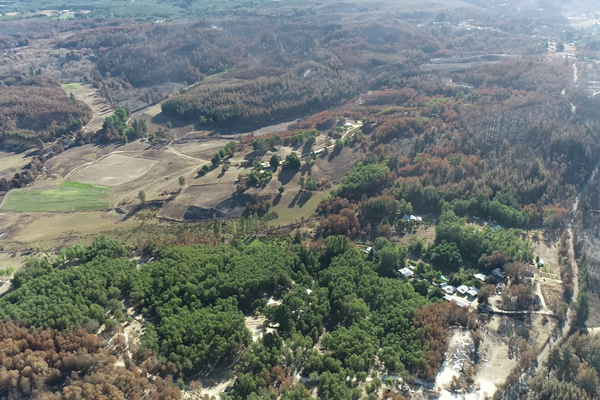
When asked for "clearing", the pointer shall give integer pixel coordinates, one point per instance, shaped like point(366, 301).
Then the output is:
point(11, 163)
point(69, 196)
point(99, 105)
point(72, 86)
point(113, 170)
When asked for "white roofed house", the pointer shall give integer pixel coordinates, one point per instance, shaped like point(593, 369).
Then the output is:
point(462, 289)
point(472, 292)
point(481, 277)
point(407, 273)
point(449, 289)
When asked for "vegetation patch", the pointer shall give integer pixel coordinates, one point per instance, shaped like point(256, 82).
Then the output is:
point(69, 196)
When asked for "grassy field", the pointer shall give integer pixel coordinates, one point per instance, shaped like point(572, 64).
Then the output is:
point(70, 196)
point(289, 215)
point(68, 15)
point(72, 86)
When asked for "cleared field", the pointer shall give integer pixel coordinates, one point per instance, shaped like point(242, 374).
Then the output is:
point(72, 86)
point(10, 163)
point(99, 105)
point(60, 230)
point(114, 170)
point(69, 196)
point(291, 211)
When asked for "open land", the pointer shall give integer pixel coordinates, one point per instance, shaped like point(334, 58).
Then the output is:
point(69, 196)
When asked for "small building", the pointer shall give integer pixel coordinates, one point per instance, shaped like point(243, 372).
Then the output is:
point(462, 289)
point(481, 277)
point(462, 303)
point(449, 289)
point(366, 250)
point(265, 165)
point(407, 273)
point(273, 303)
point(541, 263)
point(411, 267)
point(447, 297)
point(472, 292)
point(308, 291)
point(406, 218)
point(499, 274)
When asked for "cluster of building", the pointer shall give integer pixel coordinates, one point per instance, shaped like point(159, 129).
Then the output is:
point(410, 218)
point(462, 295)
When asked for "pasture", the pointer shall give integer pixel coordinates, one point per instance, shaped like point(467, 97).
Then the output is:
point(69, 196)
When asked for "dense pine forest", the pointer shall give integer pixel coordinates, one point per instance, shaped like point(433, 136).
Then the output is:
point(197, 297)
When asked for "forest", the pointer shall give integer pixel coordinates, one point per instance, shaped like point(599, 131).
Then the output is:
point(36, 107)
point(570, 371)
point(48, 364)
point(197, 297)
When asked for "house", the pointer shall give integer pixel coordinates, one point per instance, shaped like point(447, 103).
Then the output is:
point(449, 289)
point(499, 274)
point(541, 263)
point(407, 273)
point(462, 289)
point(414, 218)
point(481, 277)
point(458, 302)
point(308, 291)
point(265, 165)
point(472, 292)
point(462, 303)
point(366, 250)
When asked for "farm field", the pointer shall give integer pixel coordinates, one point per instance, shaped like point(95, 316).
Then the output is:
point(69, 196)
point(114, 170)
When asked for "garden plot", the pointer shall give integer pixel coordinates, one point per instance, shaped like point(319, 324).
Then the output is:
point(114, 170)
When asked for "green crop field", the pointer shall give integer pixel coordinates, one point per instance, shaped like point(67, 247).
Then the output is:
point(72, 86)
point(70, 196)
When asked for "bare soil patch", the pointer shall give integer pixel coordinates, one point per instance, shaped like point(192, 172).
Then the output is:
point(114, 170)
point(255, 325)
